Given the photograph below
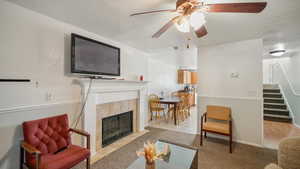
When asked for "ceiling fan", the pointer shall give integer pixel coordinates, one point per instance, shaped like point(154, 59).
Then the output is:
point(190, 14)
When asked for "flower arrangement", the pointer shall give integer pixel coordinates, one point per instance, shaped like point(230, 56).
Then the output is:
point(150, 152)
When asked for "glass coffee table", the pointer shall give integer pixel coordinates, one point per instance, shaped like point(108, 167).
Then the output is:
point(181, 157)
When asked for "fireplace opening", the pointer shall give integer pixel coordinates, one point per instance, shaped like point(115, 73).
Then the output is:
point(116, 127)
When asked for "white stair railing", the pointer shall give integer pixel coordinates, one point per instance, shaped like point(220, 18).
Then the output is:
point(292, 98)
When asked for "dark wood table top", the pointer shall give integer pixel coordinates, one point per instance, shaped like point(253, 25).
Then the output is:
point(170, 100)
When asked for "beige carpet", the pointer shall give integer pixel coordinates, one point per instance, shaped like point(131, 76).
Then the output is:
point(213, 155)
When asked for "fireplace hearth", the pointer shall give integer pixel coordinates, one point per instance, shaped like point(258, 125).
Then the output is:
point(116, 127)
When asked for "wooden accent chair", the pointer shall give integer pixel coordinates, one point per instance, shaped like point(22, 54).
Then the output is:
point(155, 107)
point(217, 120)
point(47, 144)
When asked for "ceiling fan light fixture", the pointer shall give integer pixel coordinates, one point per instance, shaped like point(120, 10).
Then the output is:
point(184, 26)
point(197, 20)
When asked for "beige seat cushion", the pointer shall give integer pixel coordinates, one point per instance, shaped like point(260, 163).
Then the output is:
point(289, 153)
point(217, 127)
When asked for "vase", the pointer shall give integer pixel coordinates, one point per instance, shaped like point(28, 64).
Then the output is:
point(150, 165)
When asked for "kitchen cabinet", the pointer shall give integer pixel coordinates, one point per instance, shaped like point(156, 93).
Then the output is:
point(187, 77)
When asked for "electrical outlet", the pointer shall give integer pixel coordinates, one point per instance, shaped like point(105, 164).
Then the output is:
point(37, 84)
point(235, 75)
point(49, 96)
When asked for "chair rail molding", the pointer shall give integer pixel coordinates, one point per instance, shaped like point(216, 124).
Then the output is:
point(23, 108)
point(231, 97)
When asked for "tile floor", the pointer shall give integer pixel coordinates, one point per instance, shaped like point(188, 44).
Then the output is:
point(187, 126)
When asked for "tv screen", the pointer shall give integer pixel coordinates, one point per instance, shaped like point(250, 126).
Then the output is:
point(94, 58)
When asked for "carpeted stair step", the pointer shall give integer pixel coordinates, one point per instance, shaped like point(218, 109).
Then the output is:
point(278, 118)
point(276, 112)
point(273, 95)
point(271, 90)
point(273, 100)
point(275, 106)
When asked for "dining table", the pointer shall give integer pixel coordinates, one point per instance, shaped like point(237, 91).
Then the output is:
point(171, 101)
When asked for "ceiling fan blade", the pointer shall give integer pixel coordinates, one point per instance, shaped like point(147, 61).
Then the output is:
point(148, 12)
point(252, 7)
point(166, 27)
point(201, 32)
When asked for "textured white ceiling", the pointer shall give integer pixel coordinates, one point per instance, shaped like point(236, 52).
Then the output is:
point(110, 18)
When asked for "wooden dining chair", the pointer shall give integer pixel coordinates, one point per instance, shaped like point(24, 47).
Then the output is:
point(187, 99)
point(155, 106)
point(174, 94)
point(180, 110)
point(217, 119)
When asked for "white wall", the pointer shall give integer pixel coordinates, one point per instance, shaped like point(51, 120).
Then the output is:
point(37, 47)
point(291, 66)
point(162, 77)
point(188, 58)
point(267, 70)
point(231, 75)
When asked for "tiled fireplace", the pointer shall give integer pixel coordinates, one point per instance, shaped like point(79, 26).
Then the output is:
point(109, 100)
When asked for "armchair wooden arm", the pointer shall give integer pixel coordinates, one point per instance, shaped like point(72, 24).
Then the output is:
point(83, 133)
point(203, 117)
point(29, 149)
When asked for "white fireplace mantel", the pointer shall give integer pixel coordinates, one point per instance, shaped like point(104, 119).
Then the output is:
point(105, 91)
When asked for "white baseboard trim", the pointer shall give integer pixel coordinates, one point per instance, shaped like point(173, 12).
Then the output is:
point(36, 107)
point(236, 140)
point(172, 129)
point(295, 124)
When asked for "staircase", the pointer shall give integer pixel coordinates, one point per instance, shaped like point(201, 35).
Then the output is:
point(275, 108)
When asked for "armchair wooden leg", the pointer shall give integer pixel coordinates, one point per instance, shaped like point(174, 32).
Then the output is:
point(230, 143)
point(201, 137)
point(21, 157)
point(205, 136)
point(230, 136)
point(201, 131)
point(88, 165)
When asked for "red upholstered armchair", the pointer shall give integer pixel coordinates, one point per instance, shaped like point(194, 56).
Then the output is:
point(47, 145)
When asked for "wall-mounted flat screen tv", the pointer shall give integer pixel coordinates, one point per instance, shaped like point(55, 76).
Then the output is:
point(91, 57)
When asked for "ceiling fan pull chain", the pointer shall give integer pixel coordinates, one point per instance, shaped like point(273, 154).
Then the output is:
point(188, 43)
